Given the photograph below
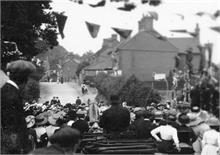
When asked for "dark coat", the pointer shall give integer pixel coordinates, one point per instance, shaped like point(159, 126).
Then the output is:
point(142, 128)
point(12, 120)
point(115, 119)
point(81, 125)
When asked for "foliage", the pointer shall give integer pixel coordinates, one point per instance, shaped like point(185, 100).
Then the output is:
point(24, 22)
point(133, 91)
point(81, 66)
point(138, 93)
point(31, 91)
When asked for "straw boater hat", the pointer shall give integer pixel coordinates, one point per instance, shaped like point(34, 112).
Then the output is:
point(41, 119)
point(30, 120)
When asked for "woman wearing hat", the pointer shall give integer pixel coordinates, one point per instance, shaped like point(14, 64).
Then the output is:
point(185, 134)
point(211, 139)
point(40, 129)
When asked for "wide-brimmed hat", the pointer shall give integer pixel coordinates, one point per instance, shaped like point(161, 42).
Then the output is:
point(21, 66)
point(41, 119)
point(30, 120)
point(213, 121)
point(53, 119)
point(197, 118)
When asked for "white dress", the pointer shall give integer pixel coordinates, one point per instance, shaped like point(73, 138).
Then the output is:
point(211, 142)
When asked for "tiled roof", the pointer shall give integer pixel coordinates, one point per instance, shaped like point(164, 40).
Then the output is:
point(184, 43)
point(101, 64)
point(148, 41)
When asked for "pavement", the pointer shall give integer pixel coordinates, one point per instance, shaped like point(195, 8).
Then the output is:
point(67, 92)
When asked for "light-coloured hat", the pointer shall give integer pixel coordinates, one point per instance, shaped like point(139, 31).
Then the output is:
point(197, 118)
point(30, 120)
point(53, 119)
point(213, 121)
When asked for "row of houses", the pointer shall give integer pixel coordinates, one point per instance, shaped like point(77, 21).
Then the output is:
point(144, 54)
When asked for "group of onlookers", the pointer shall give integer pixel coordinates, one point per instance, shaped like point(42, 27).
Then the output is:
point(57, 129)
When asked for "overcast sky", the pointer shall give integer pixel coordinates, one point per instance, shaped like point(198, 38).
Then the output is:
point(78, 40)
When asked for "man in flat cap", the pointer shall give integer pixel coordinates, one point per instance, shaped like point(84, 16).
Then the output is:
point(13, 125)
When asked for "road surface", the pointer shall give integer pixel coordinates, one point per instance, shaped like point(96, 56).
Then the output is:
point(67, 92)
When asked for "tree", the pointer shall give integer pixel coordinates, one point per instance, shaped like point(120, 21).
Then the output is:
point(24, 23)
point(81, 66)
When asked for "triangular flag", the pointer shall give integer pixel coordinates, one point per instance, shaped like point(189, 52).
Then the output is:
point(61, 21)
point(99, 4)
point(127, 7)
point(93, 29)
point(154, 15)
point(179, 31)
point(216, 28)
point(123, 32)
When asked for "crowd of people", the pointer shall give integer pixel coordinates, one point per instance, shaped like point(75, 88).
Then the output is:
point(57, 128)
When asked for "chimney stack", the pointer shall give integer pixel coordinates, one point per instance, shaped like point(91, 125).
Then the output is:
point(146, 23)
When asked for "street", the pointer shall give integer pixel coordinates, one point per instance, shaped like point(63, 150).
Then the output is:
point(67, 92)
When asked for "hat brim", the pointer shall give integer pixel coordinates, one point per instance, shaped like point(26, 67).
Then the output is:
point(42, 122)
point(31, 123)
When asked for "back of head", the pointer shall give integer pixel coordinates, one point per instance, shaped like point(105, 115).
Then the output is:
point(20, 70)
point(66, 137)
point(114, 99)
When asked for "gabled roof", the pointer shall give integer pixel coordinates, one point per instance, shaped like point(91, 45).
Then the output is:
point(70, 60)
point(102, 64)
point(185, 43)
point(148, 41)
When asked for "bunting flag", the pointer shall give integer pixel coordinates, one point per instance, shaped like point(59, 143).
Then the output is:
point(216, 28)
point(99, 4)
point(212, 16)
point(123, 32)
point(180, 15)
point(154, 15)
point(185, 31)
point(127, 7)
point(93, 29)
point(61, 21)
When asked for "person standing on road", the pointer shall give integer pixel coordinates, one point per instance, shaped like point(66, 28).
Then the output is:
point(78, 101)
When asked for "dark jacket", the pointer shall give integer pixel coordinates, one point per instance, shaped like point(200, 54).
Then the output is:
point(53, 149)
point(12, 120)
point(81, 125)
point(186, 134)
point(115, 119)
point(142, 128)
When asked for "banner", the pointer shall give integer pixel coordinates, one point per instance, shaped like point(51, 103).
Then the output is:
point(159, 76)
point(93, 29)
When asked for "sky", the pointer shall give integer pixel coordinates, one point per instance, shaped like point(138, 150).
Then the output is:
point(78, 40)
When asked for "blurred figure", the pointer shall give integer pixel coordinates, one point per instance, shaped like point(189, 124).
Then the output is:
point(93, 112)
point(116, 119)
point(81, 124)
point(168, 135)
point(64, 141)
point(142, 125)
point(14, 134)
point(78, 101)
point(211, 138)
